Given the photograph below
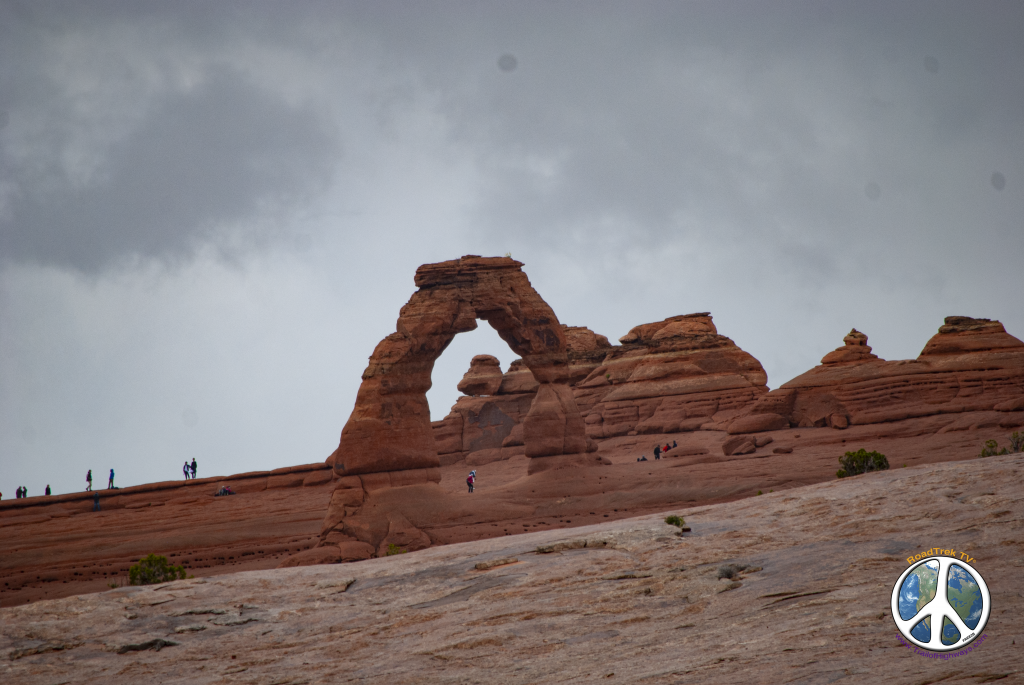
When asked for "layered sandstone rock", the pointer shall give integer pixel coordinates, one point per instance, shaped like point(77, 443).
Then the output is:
point(970, 365)
point(483, 377)
point(670, 376)
point(855, 350)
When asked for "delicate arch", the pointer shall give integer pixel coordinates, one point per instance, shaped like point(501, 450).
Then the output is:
point(389, 429)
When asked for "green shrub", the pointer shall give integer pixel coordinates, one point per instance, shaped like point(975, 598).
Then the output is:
point(394, 549)
point(154, 569)
point(861, 461)
point(991, 447)
point(676, 521)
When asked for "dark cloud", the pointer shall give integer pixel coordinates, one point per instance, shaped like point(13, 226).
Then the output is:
point(221, 153)
point(644, 159)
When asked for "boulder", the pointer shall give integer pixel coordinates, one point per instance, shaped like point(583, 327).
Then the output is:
point(327, 554)
point(854, 350)
point(741, 444)
point(355, 550)
point(483, 378)
point(402, 535)
point(758, 423)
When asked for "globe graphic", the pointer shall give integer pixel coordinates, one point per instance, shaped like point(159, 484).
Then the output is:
point(962, 593)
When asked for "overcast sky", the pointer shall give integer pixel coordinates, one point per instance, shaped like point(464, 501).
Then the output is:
point(210, 213)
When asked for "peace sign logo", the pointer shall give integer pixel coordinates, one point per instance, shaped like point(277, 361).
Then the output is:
point(941, 604)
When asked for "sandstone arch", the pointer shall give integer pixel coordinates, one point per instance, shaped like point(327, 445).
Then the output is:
point(389, 429)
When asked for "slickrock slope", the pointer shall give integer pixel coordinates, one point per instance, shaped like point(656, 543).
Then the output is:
point(627, 601)
point(58, 546)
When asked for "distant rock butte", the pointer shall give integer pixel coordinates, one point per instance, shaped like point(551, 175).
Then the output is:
point(970, 365)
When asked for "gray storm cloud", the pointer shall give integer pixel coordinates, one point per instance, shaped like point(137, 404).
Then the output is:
point(797, 168)
point(219, 154)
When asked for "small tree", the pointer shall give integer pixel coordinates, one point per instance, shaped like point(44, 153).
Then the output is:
point(861, 461)
point(154, 569)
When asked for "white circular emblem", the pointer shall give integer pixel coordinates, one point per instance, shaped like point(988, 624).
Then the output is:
point(941, 604)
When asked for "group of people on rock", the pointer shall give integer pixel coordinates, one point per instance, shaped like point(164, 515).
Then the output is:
point(88, 479)
point(188, 469)
point(658, 451)
point(22, 492)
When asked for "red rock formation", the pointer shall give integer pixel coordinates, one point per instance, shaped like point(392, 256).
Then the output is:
point(389, 429)
point(483, 377)
point(970, 365)
point(670, 376)
point(388, 440)
point(494, 419)
point(855, 349)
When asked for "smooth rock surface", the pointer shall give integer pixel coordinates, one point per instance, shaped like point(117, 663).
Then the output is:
point(790, 587)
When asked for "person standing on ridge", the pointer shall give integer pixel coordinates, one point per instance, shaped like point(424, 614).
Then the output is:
point(110, 481)
point(184, 469)
point(193, 468)
point(47, 489)
point(471, 480)
point(88, 479)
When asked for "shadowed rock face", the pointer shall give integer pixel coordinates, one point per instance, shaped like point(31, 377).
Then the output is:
point(389, 429)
